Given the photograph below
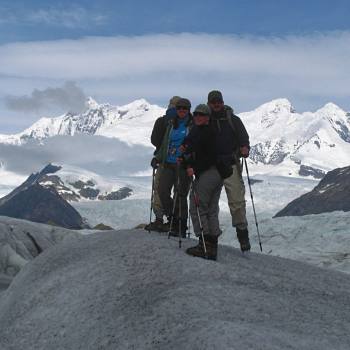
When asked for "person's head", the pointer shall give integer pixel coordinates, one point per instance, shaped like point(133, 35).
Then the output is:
point(183, 107)
point(201, 115)
point(215, 101)
point(173, 101)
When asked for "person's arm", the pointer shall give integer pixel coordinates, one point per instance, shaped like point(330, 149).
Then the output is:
point(243, 137)
point(158, 132)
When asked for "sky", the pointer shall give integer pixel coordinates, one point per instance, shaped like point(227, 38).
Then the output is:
point(55, 54)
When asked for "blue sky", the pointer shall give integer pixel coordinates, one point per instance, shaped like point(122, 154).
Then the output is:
point(46, 20)
point(254, 50)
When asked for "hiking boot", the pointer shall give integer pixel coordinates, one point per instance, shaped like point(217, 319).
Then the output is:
point(197, 250)
point(243, 239)
point(211, 245)
point(156, 225)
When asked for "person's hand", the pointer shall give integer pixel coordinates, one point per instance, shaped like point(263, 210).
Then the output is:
point(244, 151)
point(190, 172)
point(154, 163)
point(182, 148)
point(179, 160)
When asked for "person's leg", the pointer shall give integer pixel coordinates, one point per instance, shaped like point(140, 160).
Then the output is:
point(183, 193)
point(166, 182)
point(157, 204)
point(213, 211)
point(235, 191)
point(205, 188)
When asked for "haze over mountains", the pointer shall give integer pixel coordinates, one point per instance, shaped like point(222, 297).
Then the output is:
point(284, 142)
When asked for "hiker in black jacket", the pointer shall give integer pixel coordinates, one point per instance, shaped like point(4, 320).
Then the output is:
point(232, 142)
point(157, 135)
point(200, 158)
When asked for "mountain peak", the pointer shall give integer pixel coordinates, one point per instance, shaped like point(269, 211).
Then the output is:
point(276, 106)
point(330, 107)
point(91, 103)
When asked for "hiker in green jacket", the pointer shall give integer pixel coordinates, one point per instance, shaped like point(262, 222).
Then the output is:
point(173, 175)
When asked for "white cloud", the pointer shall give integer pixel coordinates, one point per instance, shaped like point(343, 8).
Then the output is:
point(309, 70)
point(71, 16)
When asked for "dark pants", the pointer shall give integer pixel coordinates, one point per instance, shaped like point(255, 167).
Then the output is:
point(173, 175)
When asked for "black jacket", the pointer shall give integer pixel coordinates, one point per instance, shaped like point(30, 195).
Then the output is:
point(200, 151)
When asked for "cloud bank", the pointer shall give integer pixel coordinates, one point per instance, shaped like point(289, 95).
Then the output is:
point(105, 156)
point(69, 97)
point(309, 70)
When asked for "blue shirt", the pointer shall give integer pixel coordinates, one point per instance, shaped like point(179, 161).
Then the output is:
point(177, 137)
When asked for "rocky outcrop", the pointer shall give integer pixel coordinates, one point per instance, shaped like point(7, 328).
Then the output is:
point(39, 204)
point(122, 193)
point(32, 179)
point(21, 241)
point(331, 194)
point(310, 171)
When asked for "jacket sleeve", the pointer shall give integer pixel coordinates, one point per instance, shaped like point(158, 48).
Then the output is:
point(242, 133)
point(158, 132)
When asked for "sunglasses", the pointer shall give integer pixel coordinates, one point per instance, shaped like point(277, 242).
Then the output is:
point(181, 108)
point(216, 101)
point(200, 114)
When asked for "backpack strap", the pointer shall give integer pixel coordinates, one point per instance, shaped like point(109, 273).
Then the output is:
point(230, 121)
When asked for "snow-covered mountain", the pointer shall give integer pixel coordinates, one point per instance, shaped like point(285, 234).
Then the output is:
point(288, 142)
point(130, 123)
point(283, 141)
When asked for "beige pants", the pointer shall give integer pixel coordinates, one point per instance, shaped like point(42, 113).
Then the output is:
point(157, 204)
point(235, 191)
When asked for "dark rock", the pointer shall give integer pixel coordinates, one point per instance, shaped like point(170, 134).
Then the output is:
point(50, 169)
point(331, 194)
point(122, 193)
point(56, 182)
point(102, 227)
point(306, 170)
point(81, 184)
point(255, 181)
point(39, 204)
point(89, 192)
point(32, 179)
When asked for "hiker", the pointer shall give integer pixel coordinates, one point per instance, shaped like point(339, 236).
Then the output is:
point(232, 142)
point(157, 135)
point(200, 157)
point(173, 175)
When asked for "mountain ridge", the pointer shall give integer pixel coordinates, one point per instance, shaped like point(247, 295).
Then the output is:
point(280, 136)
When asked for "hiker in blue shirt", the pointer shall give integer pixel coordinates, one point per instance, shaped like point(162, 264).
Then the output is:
point(173, 175)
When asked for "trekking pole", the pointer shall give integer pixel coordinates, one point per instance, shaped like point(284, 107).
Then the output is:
point(251, 196)
point(196, 202)
point(188, 213)
point(179, 198)
point(152, 195)
point(173, 213)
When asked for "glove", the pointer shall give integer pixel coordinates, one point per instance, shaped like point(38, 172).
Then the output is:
point(154, 163)
point(190, 172)
point(244, 150)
